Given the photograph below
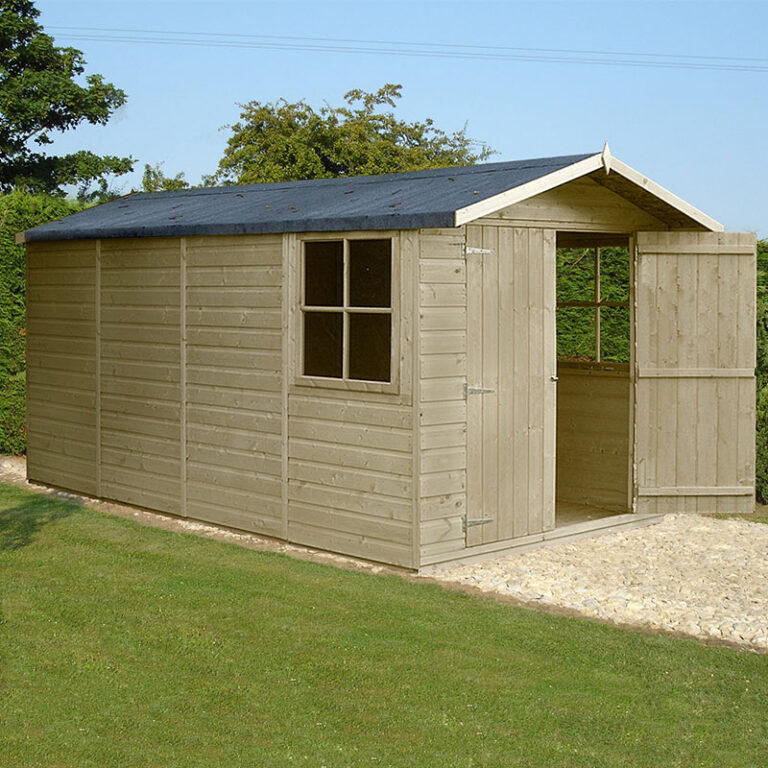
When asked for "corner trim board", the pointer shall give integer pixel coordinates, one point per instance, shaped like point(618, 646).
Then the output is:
point(97, 315)
point(183, 370)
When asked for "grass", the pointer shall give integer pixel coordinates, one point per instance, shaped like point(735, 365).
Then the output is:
point(122, 645)
point(760, 515)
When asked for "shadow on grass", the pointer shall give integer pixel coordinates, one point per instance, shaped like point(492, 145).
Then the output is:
point(19, 524)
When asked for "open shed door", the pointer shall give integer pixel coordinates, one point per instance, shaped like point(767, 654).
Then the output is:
point(511, 390)
point(694, 416)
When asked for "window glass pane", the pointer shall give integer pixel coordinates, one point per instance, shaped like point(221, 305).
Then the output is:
point(369, 346)
point(576, 333)
point(575, 274)
point(324, 274)
point(614, 274)
point(323, 333)
point(370, 273)
point(614, 334)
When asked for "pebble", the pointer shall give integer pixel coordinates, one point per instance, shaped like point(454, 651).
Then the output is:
point(693, 574)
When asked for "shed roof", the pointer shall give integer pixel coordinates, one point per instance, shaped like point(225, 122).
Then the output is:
point(445, 197)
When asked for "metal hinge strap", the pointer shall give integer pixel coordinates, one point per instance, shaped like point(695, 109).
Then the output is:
point(477, 521)
point(476, 390)
point(468, 250)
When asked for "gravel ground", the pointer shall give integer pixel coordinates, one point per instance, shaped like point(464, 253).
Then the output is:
point(690, 574)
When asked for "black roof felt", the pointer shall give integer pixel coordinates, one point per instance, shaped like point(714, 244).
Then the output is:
point(393, 201)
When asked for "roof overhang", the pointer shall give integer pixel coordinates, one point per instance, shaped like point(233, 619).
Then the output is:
point(626, 181)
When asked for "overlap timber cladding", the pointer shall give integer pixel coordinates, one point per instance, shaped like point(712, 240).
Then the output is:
point(442, 371)
point(695, 354)
point(140, 373)
point(350, 452)
point(61, 365)
point(234, 381)
point(156, 379)
point(593, 411)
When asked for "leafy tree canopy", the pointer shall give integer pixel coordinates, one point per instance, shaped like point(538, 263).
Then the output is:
point(154, 180)
point(285, 142)
point(39, 96)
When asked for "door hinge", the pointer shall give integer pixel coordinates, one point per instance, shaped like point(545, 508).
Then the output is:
point(468, 250)
point(465, 523)
point(476, 390)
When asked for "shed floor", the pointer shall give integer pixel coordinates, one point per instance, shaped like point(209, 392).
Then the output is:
point(567, 513)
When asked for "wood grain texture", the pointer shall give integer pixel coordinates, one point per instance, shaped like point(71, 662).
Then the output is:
point(140, 363)
point(350, 452)
point(234, 393)
point(593, 438)
point(445, 331)
point(694, 374)
point(62, 436)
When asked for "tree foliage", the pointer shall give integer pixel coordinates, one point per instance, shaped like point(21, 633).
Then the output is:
point(39, 96)
point(576, 327)
point(285, 141)
point(154, 180)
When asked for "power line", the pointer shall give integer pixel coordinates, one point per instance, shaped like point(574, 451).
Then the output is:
point(415, 49)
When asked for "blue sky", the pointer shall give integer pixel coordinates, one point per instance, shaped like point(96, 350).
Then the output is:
point(699, 132)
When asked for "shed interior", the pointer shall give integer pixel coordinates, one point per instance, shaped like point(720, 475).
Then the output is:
point(594, 360)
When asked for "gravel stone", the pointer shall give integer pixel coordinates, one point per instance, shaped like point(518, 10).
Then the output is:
point(694, 574)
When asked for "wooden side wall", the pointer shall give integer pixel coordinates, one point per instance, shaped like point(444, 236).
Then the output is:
point(350, 451)
point(233, 356)
point(593, 438)
point(442, 372)
point(61, 365)
point(140, 403)
point(695, 353)
point(162, 374)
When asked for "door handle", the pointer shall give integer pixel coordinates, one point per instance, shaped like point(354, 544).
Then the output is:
point(554, 377)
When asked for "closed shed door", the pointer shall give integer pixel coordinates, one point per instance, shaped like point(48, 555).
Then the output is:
point(694, 372)
point(511, 394)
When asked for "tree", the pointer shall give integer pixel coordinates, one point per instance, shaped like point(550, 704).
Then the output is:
point(285, 142)
point(39, 96)
point(154, 180)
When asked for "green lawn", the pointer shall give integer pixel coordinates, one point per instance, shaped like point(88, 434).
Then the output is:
point(128, 646)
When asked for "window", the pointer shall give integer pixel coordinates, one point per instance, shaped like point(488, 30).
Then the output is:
point(593, 304)
point(346, 309)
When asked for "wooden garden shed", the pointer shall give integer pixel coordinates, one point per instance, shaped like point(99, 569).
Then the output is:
point(380, 366)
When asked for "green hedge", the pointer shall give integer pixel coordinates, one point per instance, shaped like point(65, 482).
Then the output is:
point(18, 211)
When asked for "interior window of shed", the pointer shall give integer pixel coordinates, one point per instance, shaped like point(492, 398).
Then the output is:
point(347, 309)
point(593, 304)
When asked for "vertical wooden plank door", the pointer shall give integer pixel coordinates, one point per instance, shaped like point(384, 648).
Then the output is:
point(694, 372)
point(511, 390)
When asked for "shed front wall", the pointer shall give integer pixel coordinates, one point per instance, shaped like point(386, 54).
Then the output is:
point(163, 373)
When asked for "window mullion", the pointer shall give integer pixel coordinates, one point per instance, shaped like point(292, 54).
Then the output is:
point(345, 319)
point(597, 304)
